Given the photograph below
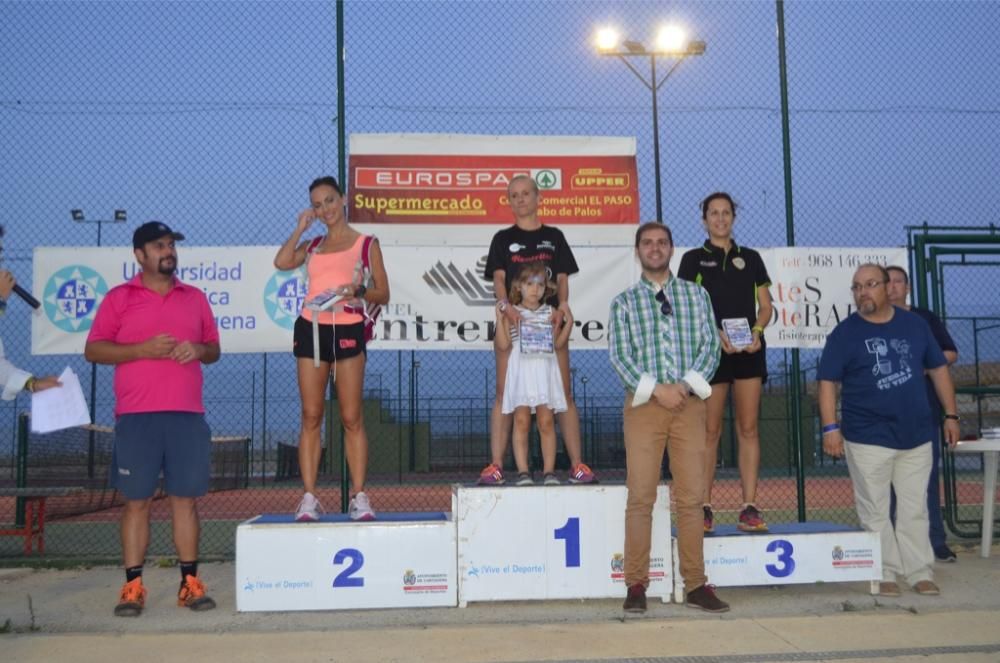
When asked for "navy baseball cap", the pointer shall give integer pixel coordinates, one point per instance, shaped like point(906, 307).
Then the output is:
point(152, 231)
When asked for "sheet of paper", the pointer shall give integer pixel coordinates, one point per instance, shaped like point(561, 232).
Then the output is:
point(59, 407)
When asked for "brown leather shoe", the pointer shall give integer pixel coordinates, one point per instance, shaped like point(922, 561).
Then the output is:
point(635, 601)
point(704, 598)
point(888, 588)
point(926, 588)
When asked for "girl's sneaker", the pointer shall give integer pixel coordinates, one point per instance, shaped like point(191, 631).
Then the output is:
point(491, 475)
point(551, 480)
point(582, 474)
point(524, 479)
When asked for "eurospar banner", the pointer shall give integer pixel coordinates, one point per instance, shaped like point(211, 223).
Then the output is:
point(430, 178)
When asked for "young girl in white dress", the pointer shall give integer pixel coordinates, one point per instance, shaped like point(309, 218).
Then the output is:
point(533, 383)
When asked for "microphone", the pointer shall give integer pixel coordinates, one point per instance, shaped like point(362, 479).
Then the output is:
point(26, 296)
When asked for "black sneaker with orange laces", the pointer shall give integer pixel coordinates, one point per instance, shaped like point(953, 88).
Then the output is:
point(192, 595)
point(709, 519)
point(704, 598)
point(132, 599)
point(635, 600)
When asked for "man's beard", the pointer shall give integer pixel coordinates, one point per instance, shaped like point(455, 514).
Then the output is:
point(167, 270)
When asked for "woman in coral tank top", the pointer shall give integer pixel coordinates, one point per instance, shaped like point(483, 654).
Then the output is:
point(334, 263)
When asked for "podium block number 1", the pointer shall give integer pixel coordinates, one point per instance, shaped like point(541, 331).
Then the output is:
point(570, 533)
point(346, 577)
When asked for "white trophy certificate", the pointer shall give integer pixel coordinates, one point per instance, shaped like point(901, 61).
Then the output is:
point(536, 336)
point(738, 331)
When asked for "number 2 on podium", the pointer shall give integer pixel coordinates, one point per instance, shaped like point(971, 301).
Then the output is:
point(570, 532)
point(345, 578)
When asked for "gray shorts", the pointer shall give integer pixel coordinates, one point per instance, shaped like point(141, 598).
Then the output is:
point(177, 443)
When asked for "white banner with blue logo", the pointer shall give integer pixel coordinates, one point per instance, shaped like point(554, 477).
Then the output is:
point(439, 298)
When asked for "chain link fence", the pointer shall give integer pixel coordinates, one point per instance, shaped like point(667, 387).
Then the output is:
point(214, 116)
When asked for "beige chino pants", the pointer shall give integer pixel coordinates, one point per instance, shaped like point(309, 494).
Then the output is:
point(649, 428)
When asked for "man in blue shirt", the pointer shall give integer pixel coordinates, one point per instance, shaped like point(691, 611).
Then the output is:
point(879, 355)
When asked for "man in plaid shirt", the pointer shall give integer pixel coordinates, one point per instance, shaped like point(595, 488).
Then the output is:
point(662, 339)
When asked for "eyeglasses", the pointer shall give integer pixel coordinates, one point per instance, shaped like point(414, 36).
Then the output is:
point(867, 285)
point(665, 307)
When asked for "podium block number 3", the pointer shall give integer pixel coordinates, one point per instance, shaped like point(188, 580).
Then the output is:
point(570, 533)
point(785, 564)
point(346, 577)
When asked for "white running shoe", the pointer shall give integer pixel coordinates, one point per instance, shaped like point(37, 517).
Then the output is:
point(308, 510)
point(360, 508)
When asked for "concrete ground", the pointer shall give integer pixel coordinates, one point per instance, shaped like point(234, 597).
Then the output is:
point(66, 615)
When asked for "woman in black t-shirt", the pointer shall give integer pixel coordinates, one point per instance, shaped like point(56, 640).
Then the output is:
point(737, 281)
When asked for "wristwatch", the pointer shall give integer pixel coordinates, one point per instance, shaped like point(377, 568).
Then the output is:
point(360, 291)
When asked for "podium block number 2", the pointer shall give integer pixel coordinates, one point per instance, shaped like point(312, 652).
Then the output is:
point(570, 533)
point(346, 577)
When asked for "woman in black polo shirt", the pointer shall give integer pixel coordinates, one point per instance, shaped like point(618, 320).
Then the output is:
point(737, 282)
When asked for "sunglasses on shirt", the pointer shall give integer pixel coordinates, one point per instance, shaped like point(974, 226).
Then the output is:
point(665, 307)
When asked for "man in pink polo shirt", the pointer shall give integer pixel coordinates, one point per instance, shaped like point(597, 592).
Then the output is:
point(157, 332)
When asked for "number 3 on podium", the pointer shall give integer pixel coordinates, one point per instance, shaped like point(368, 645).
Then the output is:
point(570, 533)
point(786, 565)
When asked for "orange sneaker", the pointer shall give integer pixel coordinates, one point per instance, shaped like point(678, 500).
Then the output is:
point(132, 599)
point(491, 475)
point(192, 595)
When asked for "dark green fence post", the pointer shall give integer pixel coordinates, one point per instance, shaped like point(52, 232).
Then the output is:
point(22, 465)
point(786, 141)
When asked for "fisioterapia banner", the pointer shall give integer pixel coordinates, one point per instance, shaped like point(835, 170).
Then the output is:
point(437, 178)
point(440, 299)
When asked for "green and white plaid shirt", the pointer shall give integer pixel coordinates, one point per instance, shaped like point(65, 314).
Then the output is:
point(648, 347)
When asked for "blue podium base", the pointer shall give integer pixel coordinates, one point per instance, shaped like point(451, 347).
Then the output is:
point(383, 517)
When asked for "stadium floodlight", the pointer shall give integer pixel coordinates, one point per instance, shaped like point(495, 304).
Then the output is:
point(671, 42)
point(120, 216)
point(671, 38)
point(607, 39)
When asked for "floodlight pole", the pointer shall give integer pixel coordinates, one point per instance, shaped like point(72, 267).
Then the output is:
point(635, 49)
point(77, 215)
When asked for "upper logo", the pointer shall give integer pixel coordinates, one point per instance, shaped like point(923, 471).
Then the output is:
point(409, 577)
point(837, 553)
point(283, 296)
point(449, 280)
point(71, 297)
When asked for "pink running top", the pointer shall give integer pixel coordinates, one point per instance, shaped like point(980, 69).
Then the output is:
point(329, 270)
